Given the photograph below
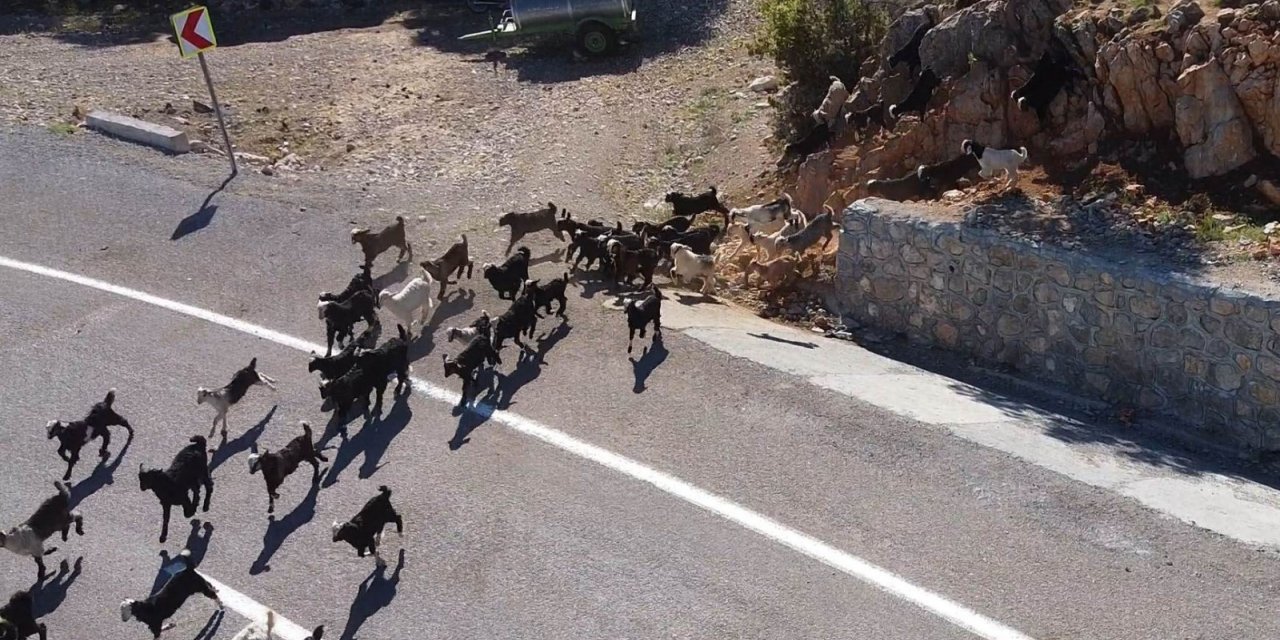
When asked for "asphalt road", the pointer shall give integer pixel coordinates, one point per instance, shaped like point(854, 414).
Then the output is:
point(507, 536)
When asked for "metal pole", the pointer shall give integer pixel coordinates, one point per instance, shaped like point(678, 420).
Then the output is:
point(217, 109)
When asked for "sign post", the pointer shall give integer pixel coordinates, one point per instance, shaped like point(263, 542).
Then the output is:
point(195, 36)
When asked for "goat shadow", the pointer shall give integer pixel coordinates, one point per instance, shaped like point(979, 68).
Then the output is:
point(197, 543)
point(589, 287)
point(554, 256)
point(210, 630)
point(53, 592)
point(374, 439)
point(375, 593)
point(203, 216)
point(451, 306)
point(243, 442)
point(103, 475)
point(279, 530)
point(794, 343)
point(396, 274)
point(528, 367)
point(652, 356)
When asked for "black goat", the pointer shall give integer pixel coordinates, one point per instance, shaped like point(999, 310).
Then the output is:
point(54, 515)
point(508, 277)
point(336, 365)
point(586, 247)
point(525, 223)
point(354, 385)
point(678, 223)
point(628, 264)
point(520, 318)
point(340, 318)
point(862, 119)
point(180, 484)
point(910, 52)
point(908, 187)
point(815, 140)
point(545, 294)
point(698, 240)
point(390, 357)
point(364, 531)
point(18, 618)
point(691, 206)
point(73, 436)
point(945, 175)
point(362, 281)
point(1049, 77)
point(277, 466)
point(468, 362)
point(641, 313)
point(918, 100)
point(161, 605)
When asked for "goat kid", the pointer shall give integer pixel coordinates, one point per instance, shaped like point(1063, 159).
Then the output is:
point(414, 299)
point(777, 273)
point(691, 206)
point(996, 161)
point(909, 53)
point(816, 139)
point(223, 399)
point(908, 187)
point(54, 515)
point(364, 531)
point(453, 262)
point(829, 110)
point(160, 606)
point(277, 466)
point(362, 281)
point(340, 317)
point(18, 618)
point(481, 326)
point(687, 265)
point(545, 294)
point(520, 319)
point(628, 264)
point(918, 100)
point(946, 175)
point(180, 484)
point(375, 244)
point(478, 352)
point(73, 436)
point(861, 120)
point(819, 228)
point(642, 312)
point(1046, 81)
point(508, 277)
point(767, 217)
point(523, 224)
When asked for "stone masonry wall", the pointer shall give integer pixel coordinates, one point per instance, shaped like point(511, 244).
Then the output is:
point(1160, 342)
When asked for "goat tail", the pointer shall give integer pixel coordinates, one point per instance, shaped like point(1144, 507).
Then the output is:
point(464, 239)
point(1022, 152)
point(271, 622)
point(384, 491)
point(111, 397)
point(63, 489)
point(306, 428)
point(713, 190)
point(400, 220)
point(198, 439)
point(253, 364)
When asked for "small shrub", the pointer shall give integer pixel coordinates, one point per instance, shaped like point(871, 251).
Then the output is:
point(812, 40)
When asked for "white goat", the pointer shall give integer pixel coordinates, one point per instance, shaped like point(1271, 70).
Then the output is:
point(829, 110)
point(742, 232)
point(687, 265)
point(414, 297)
point(768, 243)
point(996, 161)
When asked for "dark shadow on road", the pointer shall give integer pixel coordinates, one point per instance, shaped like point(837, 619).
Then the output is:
point(373, 440)
point(243, 442)
point(203, 216)
point(279, 530)
point(482, 408)
point(375, 594)
point(197, 543)
point(650, 359)
point(690, 299)
point(210, 630)
point(794, 343)
point(395, 275)
point(50, 595)
point(103, 475)
point(451, 306)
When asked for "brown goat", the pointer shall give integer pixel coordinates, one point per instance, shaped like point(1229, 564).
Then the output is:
point(523, 224)
point(375, 244)
point(778, 272)
point(452, 262)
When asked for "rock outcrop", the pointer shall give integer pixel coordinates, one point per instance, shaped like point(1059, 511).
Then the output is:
point(1211, 123)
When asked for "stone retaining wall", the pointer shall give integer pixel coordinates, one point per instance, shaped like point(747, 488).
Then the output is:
point(1159, 342)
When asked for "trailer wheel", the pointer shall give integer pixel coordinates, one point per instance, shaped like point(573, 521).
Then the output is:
point(597, 39)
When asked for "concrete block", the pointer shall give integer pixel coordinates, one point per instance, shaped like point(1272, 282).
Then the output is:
point(135, 130)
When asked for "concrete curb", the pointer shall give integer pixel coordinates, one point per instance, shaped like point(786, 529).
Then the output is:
point(153, 135)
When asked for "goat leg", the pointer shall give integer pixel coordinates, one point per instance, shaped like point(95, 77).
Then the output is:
point(71, 462)
point(271, 502)
point(106, 442)
point(164, 522)
point(42, 631)
point(208, 491)
point(631, 340)
point(40, 570)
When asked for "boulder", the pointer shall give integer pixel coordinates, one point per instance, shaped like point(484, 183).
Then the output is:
point(1211, 122)
point(1183, 15)
point(993, 32)
point(1135, 86)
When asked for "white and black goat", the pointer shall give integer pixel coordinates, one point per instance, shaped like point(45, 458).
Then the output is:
point(687, 265)
point(54, 515)
point(180, 484)
point(767, 217)
point(161, 605)
point(73, 436)
point(918, 100)
point(909, 53)
point(18, 618)
point(996, 161)
point(642, 312)
point(364, 531)
point(1050, 76)
point(362, 281)
point(276, 466)
point(223, 399)
point(481, 326)
point(947, 174)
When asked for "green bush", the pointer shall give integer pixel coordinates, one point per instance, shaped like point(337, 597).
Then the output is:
point(812, 40)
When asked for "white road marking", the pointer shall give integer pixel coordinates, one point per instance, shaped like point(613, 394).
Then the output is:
point(248, 608)
point(850, 564)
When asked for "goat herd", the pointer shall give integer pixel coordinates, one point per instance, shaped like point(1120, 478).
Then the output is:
point(1052, 73)
point(361, 367)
